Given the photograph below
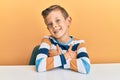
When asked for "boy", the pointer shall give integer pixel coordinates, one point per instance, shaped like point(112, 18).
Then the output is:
point(60, 49)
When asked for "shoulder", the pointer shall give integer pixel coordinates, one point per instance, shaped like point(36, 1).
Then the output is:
point(45, 39)
point(80, 41)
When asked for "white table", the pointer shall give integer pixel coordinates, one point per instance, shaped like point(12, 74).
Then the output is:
point(26, 72)
point(105, 72)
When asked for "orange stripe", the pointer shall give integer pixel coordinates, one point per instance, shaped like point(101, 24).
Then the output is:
point(81, 45)
point(46, 40)
point(50, 63)
point(73, 65)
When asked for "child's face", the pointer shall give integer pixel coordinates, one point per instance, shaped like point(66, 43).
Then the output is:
point(57, 24)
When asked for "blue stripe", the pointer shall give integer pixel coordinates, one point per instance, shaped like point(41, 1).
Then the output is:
point(43, 51)
point(52, 41)
point(75, 47)
point(72, 38)
point(64, 47)
point(82, 54)
point(37, 63)
point(86, 65)
point(63, 60)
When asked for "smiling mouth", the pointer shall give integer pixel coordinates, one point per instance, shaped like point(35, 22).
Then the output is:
point(57, 31)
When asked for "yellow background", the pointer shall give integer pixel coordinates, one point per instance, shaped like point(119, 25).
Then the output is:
point(95, 21)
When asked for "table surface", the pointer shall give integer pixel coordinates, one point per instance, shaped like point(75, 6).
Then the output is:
point(27, 72)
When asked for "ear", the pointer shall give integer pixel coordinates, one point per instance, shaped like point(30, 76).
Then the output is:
point(69, 20)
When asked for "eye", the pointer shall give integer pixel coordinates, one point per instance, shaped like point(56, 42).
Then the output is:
point(58, 20)
point(49, 24)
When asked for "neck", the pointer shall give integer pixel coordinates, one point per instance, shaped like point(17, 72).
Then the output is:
point(64, 39)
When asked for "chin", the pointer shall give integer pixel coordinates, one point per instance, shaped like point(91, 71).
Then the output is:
point(57, 37)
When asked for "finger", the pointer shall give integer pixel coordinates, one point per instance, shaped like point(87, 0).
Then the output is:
point(70, 53)
point(58, 49)
point(73, 54)
point(70, 47)
point(67, 55)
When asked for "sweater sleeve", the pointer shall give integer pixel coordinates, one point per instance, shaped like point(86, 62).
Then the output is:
point(82, 63)
point(44, 62)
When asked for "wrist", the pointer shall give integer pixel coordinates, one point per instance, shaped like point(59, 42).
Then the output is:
point(67, 56)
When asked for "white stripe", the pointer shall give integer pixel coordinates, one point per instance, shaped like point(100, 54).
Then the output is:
point(41, 56)
point(57, 61)
point(46, 36)
point(52, 39)
point(86, 59)
point(83, 49)
point(44, 45)
point(53, 47)
point(78, 41)
point(80, 66)
point(64, 51)
point(71, 43)
point(67, 66)
point(42, 65)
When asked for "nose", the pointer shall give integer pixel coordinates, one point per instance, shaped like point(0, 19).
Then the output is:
point(54, 25)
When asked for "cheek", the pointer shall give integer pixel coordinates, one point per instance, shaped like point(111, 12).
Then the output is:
point(66, 24)
point(63, 25)
point(50, 30)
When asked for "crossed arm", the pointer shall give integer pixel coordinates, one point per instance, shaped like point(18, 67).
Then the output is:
point(68, 55)
point(49, 59)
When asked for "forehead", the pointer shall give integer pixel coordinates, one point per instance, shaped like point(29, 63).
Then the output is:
point(54, 14)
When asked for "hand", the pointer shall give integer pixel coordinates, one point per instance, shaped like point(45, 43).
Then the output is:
point(54, 52)
point(70, 54)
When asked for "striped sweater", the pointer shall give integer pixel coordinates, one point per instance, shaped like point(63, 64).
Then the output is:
point(44, 62)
